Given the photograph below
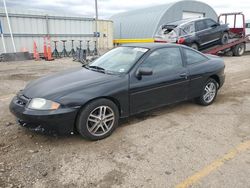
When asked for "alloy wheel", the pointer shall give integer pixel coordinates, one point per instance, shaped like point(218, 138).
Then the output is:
point(225, 38)
point(100, 121)
point(210, 92)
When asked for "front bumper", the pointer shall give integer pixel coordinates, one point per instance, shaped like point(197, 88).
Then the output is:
point(60, 121)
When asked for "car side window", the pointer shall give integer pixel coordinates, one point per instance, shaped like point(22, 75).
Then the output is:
point(187, 29)
point(200, 25)
point(210, 22)
point(164, 60)
point(193, 57)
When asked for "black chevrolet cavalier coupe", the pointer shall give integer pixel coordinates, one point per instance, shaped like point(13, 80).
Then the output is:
point(125, 81)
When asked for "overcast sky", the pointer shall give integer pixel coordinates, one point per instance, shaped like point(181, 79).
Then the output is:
point(109, 7)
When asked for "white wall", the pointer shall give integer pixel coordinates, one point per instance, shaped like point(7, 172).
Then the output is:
point(186, 15)
point(33, 26)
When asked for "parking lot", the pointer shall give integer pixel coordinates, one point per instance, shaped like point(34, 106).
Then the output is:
point(182, 145)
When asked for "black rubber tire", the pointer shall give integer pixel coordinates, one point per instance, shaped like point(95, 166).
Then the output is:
point(239, 49)
point(200, 99)
point(194, 46)
point(81, 123)
point(224, 38)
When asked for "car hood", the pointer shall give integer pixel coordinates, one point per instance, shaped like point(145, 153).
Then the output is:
point(62, 83)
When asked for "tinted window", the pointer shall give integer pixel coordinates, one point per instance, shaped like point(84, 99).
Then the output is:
point(165, 59)
point(200, 25)
point(247, 25)
point(193, 57)
point(210, 22)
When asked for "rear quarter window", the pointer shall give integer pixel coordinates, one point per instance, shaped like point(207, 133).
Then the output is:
point(193, 57)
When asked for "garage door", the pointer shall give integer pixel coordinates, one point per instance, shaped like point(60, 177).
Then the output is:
point(192, 15)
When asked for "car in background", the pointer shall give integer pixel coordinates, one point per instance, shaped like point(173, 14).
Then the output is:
point(196, 33)
point(123, 82)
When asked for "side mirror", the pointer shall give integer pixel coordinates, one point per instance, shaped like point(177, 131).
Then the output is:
point(143, 71)
point(215, 25)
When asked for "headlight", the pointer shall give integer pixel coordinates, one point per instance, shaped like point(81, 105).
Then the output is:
point(43, 104)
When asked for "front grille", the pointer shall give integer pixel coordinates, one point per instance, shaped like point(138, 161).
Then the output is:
point(22, 100)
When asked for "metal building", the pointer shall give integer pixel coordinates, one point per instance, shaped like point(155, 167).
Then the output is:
point(144, 23)
point(29, 26)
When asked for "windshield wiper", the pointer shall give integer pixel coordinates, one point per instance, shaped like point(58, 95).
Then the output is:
point(97, 68)
point(100, 69)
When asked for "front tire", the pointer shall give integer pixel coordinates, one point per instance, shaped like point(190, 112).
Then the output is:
point(194, 46)
point(209, 93)
point(224, 38)
point(98, 119)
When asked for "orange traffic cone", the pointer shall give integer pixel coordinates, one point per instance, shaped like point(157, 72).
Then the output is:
point(49, 58)
point(35, 53)
point(45, 53)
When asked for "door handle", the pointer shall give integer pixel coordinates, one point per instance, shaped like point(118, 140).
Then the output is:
point(184, 75)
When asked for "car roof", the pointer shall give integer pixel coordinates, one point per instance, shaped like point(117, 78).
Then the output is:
point(150, 45)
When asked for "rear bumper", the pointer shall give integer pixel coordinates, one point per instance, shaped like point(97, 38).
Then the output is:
point(59, 121)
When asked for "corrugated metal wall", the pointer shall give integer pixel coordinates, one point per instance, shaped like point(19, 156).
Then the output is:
point(33, 26)
point(139, 23)
point(144, 23)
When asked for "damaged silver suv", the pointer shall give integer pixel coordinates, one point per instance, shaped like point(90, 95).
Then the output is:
point(196, 33)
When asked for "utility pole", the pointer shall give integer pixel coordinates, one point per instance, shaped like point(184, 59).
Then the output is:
point(8, 21)
point(1, 30)
point(96, 22)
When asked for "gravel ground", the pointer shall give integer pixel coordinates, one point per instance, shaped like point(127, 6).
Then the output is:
point(156, 149)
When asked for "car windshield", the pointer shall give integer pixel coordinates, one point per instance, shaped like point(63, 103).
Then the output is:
point(118, 60)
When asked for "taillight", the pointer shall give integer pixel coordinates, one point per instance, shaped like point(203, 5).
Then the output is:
point(181, 40)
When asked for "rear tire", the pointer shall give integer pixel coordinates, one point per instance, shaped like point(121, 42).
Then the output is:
point(239, 49)
point(98, 119)
point(224, 38)
point(209, 93)
point(194, 46)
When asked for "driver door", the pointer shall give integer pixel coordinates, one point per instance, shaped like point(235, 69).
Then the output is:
point(202, 32)
point(214, 30)
point(168, 83)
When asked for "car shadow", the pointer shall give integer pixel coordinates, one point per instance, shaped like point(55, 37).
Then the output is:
point(153, 113)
